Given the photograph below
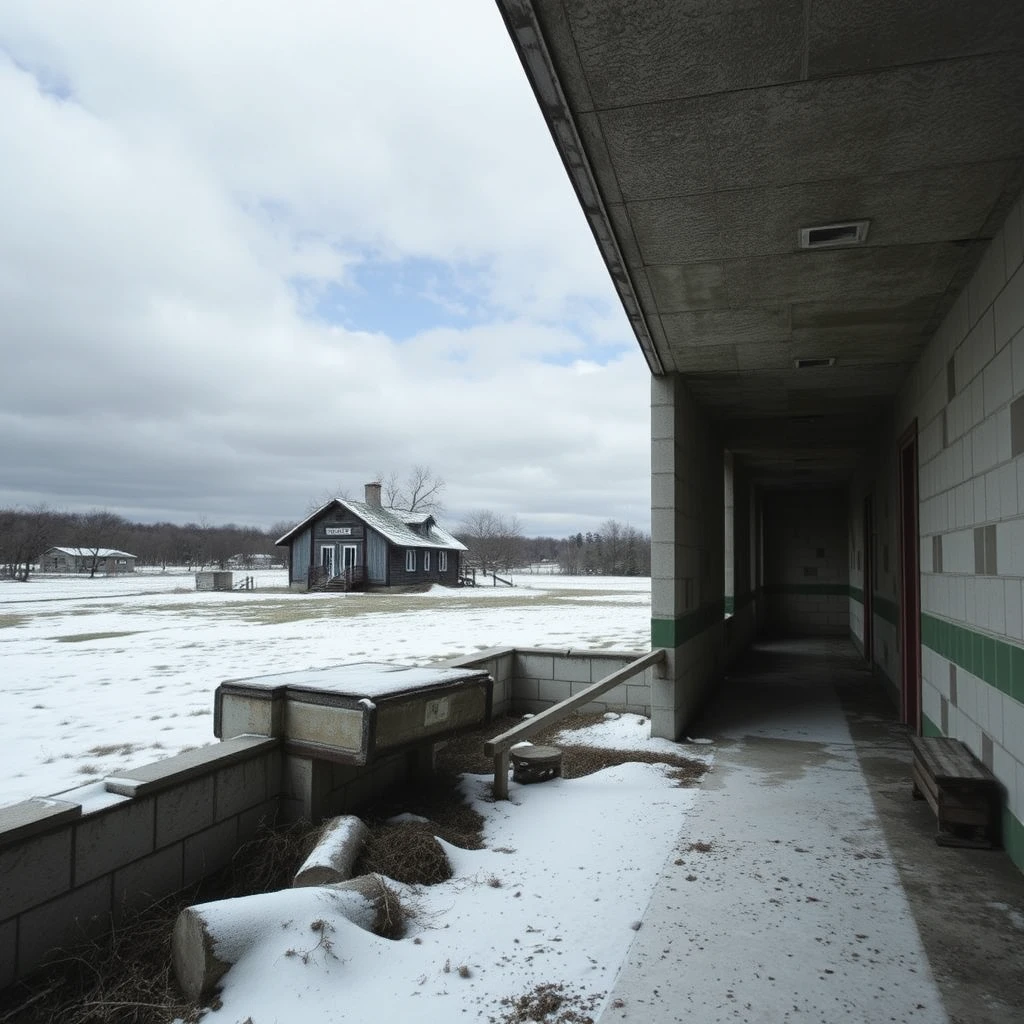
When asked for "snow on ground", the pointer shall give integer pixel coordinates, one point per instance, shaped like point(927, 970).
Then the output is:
point(554, 898)
point(98, 675)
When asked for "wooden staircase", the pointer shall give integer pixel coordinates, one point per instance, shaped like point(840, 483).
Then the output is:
point(352, 578)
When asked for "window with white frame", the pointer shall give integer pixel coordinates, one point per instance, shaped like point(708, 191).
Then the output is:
point(442, 561)
point(410, 560)
point(426, 561)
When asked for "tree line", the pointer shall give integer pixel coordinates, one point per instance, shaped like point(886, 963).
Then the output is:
point(496, 543)
point(25, 534)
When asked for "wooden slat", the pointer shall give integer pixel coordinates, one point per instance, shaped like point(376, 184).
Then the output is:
point(948, 759)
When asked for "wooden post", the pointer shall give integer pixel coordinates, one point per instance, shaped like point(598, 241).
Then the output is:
point(501, 774)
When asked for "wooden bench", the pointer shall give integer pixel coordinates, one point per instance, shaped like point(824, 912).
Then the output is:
point(963, 793)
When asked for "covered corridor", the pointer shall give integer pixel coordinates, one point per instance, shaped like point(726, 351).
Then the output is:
point(812, 215)
point(822, 895)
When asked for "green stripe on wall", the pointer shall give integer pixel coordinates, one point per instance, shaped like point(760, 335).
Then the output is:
point(857, 594)
point(730, 604)
point(998, 663)
point(886, 609)
point(675, 632)
point(928, 727)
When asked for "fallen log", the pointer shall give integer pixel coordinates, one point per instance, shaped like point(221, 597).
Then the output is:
point(335, 853)
point(209, 938)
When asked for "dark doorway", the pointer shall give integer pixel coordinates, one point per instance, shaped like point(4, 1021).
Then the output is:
point(910, 582)
point(868, 579)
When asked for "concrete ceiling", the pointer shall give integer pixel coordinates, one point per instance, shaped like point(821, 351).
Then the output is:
point(701, 135)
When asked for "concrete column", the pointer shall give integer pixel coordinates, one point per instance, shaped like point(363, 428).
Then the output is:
point(687, 553)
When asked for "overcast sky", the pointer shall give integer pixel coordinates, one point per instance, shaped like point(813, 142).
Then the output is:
point(253, 252)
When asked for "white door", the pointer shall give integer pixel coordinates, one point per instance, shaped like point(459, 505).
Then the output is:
point(349, 555)
point(327, 558)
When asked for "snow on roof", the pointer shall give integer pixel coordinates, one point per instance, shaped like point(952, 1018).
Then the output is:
point(369, 679)
point(91, 552)
point(393, 524)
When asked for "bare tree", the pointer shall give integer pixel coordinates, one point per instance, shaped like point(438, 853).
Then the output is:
point(97, 530)
point(495, 541)
point(24, 536)
point(418, 491)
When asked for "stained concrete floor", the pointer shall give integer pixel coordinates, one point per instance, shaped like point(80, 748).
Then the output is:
point(823, 896)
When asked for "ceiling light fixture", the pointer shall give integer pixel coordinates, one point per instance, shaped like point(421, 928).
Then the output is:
point(810, 364)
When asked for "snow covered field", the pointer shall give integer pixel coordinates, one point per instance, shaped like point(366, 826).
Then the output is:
point(97, 675)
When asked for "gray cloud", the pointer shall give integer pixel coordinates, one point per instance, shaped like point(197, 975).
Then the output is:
point(168, 172)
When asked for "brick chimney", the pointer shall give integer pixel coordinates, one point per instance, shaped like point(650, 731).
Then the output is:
point(373, 494)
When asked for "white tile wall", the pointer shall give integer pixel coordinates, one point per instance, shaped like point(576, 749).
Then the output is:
point(973, 481)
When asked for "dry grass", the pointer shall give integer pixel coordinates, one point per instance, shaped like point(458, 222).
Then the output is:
point(549, 1003)
point(405, 852)
point(125, 977)
point(465, 753)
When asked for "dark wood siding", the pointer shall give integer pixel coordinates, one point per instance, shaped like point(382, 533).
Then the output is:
point(399, 575)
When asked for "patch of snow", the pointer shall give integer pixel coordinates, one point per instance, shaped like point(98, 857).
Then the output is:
point(586, 850)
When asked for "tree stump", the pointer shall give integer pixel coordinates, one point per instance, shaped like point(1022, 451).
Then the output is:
point(535, 764)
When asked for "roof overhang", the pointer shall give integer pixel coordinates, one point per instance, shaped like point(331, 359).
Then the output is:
point(701, 138)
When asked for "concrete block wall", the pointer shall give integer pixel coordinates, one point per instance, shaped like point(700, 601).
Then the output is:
point(535, 678)
point(687, 553)
point(544, 677)
point(806, 575)
point(967, 395)
point(73, 864)
point(499, 663)
point(313, 789)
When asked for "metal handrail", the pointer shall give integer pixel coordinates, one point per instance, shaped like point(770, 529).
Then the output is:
point(499, 747)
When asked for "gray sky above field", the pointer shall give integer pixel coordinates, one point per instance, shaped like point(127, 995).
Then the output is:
point(253, 253)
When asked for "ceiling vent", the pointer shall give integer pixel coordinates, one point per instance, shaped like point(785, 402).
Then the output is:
point(810, 364)
point(829, 236)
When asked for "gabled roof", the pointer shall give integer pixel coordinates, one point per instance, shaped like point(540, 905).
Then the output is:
point(395, 525)
point(90, 552)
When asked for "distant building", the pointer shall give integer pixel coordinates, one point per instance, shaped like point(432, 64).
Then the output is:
point(346, 545)
point(107, 561)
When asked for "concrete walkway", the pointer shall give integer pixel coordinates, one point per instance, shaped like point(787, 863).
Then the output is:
point(823, 896)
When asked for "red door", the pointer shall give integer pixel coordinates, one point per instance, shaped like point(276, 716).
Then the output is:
point(910, 582)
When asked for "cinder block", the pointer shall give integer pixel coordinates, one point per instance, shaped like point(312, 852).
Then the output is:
point(184, 810)
point(275, 767)
point(536, 666)
point(525, 689)
point(67, 921)
point(578, 670)
point(113, 837)
point(8, 951)
point(34, 871)
point(251, 821)
point(239, 787)
point(639, 696)
point(209, 850)
point(141, 884)
point(552, 690)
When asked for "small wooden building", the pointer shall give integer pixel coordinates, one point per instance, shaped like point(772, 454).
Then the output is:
point(347, 544)
point(105, 561)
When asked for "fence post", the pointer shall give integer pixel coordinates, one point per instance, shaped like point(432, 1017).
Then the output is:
point(501, 774)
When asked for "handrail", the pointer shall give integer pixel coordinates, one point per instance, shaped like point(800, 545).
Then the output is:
point(499, 747)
